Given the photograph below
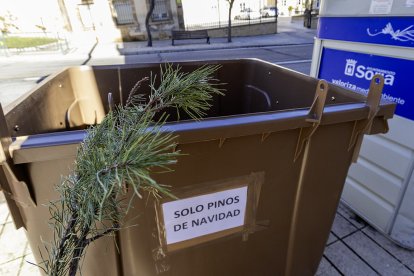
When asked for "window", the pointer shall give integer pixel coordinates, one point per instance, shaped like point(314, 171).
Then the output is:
point(123, 12)
point(84, 12)
point(161, 11)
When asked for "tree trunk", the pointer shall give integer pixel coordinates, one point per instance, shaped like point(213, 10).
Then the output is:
point(229, 26)
point(149, 14)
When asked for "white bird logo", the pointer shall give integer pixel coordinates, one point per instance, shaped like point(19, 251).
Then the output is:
point(401, 35)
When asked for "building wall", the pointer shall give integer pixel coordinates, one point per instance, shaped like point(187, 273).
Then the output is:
point(26, 14)
point(208, 11)
point(141, 9)
point(297, 5)
point(95, 18)
point(159, 29)
point(246, 30)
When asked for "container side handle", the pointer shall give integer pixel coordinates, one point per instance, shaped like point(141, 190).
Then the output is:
point(364, 126)
point(77, 119)
point(314, 117)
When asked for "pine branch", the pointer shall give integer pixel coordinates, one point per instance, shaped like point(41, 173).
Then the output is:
point(120, 152)
point(103, 234)
point(65, 237)
point(78, 252)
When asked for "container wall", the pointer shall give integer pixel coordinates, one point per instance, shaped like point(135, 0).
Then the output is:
point(78, 97)
point(281, 245)
point(47, 106)
point(206, 162)
point(249, 86)
point(69, 100)
point(251, 139)
point(44, 176)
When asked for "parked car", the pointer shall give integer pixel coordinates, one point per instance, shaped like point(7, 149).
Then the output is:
point(248, 14)
point(269, 12)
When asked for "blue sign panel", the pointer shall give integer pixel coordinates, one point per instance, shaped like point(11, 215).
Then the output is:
point(395, 31)
point(354, 71)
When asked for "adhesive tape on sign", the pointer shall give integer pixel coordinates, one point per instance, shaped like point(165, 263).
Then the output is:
point(197, 216)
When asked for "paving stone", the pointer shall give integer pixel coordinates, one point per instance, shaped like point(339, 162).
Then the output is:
point(331, 239)
point(12, 243)
point(403, 255)
point(28, 250)
point(341, 227)
point(28, 269)
point(326, 269)
point(4, 212)
point(2, 198)
point(10, 268)
point(346, 261)
point(375, 256)
point(9, 219)
point(353, 218)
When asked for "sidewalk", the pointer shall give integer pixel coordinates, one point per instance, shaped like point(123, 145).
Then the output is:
point(81, 45)
point(14, 248)
point(164, 46)
point(84, 46)
point(288, 34)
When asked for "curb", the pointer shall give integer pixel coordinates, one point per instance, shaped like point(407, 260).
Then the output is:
point(91, 52)
point(160, 51)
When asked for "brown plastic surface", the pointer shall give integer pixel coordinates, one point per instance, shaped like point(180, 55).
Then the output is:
point(254, 130)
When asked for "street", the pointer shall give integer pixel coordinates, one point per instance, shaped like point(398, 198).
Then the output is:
point(18, 77)
point(36, 68)
point(291, 56)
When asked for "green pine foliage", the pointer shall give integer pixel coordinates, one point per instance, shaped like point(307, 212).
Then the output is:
point(119, 154)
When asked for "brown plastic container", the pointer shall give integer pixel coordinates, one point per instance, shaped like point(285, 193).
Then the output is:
point(282, 137)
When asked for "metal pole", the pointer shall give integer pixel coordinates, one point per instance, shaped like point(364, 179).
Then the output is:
point(277, 12)
point(90, 15)
point(260, 8)
point(218, 9)
point(3, 44)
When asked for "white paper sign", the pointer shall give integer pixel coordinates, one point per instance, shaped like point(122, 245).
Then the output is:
point(197, 216)
point(380, 6)
point(409, 3)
